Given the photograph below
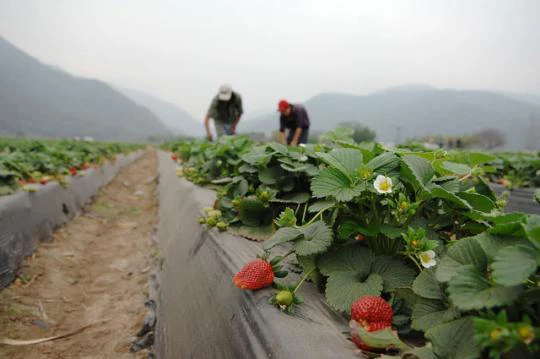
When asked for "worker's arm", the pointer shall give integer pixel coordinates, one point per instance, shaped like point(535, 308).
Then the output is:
point(233, 127)
point(296, 136)
point(282, 137)
point(240, 111)
point(207, 127)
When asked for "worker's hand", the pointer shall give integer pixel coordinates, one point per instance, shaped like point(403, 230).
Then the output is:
point(233, 130)
point(294, 143)
point(209, 137)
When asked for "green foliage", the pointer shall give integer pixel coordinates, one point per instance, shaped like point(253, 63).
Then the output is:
point(353, 238)
point(28, 161)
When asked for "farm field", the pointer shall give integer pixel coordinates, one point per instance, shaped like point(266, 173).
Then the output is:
point(341, 229)
point(93, 274)
point(422, 230)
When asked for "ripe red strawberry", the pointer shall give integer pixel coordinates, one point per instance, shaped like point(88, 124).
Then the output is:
point(43, 181)
point(174, 158)
point(73, 171)
point(371, 309)
point(373, 327)
point(254, 275)
point(373, 314)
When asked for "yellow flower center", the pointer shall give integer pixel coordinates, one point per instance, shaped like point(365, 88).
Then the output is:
point(414, 243)
point(526, 333)
point(495, 334)
point(385, 185)
point(424, 257)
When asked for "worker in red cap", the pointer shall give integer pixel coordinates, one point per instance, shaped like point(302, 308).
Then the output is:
point(295, 119)
point(226, 110)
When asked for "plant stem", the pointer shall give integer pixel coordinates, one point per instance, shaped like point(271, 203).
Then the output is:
point(305, 211)
point(319, 214)
point(415, 262)
point(303, 279)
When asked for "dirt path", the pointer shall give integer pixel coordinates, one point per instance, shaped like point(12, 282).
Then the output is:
point(96, 268)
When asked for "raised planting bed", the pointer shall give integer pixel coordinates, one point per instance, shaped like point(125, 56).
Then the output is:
point(29, 217)
point(520, 199)
point(201, 314)
point(414, 247)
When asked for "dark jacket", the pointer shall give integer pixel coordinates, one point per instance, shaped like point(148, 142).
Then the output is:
point(297, 118)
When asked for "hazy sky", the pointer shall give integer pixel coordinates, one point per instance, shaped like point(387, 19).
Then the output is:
point(182, 50)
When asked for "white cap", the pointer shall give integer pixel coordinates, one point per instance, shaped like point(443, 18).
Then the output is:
point(225, 92)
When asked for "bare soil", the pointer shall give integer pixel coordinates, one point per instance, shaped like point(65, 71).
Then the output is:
point(94, 271)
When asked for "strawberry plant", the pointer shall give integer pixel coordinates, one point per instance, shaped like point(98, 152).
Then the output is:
point(421, 231)
point(25, 162)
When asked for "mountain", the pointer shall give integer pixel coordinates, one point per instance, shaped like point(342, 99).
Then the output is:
point(175, 118)
point(403, 112)
point(524, 97)
point(41, 100)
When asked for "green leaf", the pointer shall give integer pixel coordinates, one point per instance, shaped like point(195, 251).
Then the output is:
point(470, 290)
point(439, 192)
point(346, 160)
point(417, 171)
point(256, 157)
point(332, 182)
point(295, 197)
point(317, 237)
point(532, 228)
point(287, 218)
point(384, 163)
point(478, 202)
point(343, 288)
point(381, 339)
point(428, 313)
point(259, 233)
point(426, 286)
point(348, 269)
point(463, 252)
point(246, 168)
point(254, 212)
point(278, 147)
point(536, 196)
point(395, 273)
point(283, 235)
point(351, 259)
point(456, 168)
point(321, 205)
point(270, 175)
point(454, 340)
point(420, 353)
point(513, 265)
point(309, 264)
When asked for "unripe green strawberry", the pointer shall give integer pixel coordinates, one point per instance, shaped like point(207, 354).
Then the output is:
point(208, 209)
point(254, 275)
point(222, 226)
point(202, 220)
point(285, 298)
point(211, 221)
point(264, 196)
point(236, 202)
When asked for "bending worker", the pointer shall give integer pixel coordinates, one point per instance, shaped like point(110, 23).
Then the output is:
point(294, 118)
point(226, 110)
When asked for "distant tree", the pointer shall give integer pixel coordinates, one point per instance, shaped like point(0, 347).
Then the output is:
point(489, 138)
point(361, 133)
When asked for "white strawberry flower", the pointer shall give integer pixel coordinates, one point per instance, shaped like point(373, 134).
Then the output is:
point(427, 258)
point(383, 184)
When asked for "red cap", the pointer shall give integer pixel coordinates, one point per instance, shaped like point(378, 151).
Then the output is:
point(283, 105)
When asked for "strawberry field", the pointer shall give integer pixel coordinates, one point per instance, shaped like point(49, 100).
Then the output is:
point(27, 164)
point(413, 247)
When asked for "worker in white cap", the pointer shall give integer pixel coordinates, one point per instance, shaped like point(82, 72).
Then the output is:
point(226, 110)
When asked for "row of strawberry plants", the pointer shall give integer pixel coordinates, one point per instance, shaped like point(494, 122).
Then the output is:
point(421, 231)
point(26, 163)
